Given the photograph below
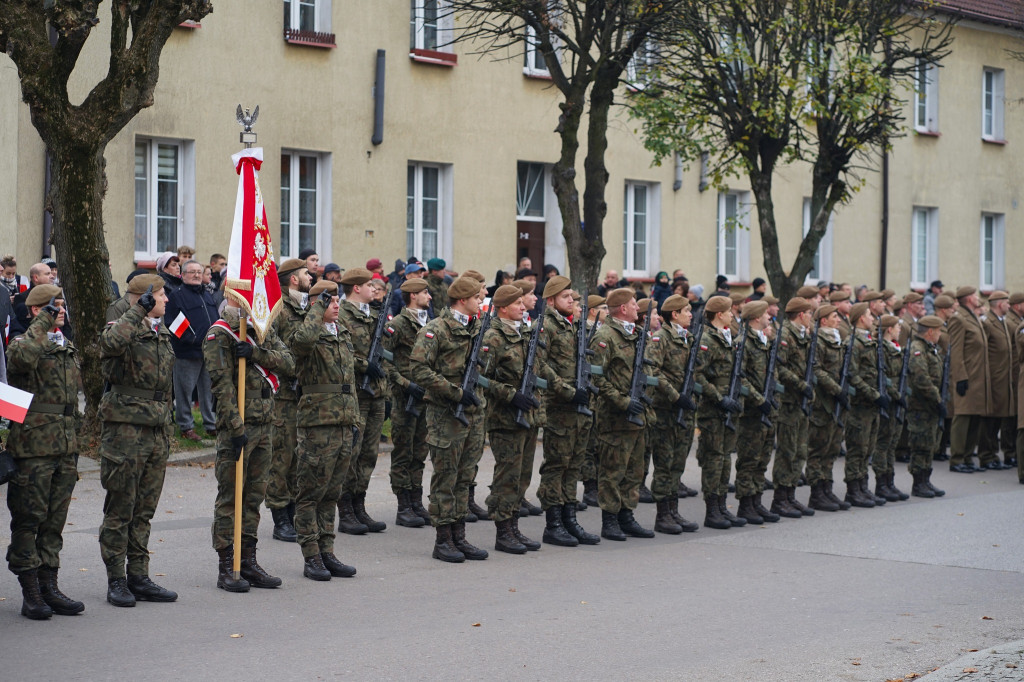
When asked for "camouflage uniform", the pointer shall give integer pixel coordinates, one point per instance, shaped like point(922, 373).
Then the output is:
point(754, 440)
point(438, 362)
point(327, 417)
point(45, 446)
point(825, 436)
point(281, 484)
point(438, 289)
point(883, 462)
point(620, 443)
point(669, 351)
point(716, 441)
point(862, 420)
point(923, 404)
point(588, 469)
point(134, 436)
point(791, 421)
point(220, 361)
point(408, 432)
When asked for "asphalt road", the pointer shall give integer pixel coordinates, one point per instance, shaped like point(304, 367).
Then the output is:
point(860, 595)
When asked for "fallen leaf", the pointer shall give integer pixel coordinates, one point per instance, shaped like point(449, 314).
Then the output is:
point(986, 617)
point(1010, 665)
point(856, 662)
point(476, 625)
point(895, 679)
point(237, 635)
point(511, 589)
point(180, 496)
point(160, 575)
point(168, 512)
point(70, 524)
point(995, 545)
point(83, 570)
point(3, 598)
point(583, 602)
point(959, 513)
point(911, 676)
point(913, 642)
point(970, 670)
point(971, 650)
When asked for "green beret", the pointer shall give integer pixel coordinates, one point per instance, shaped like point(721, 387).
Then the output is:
point(436, 264)
point(463, 287)
point(505, 295)
point(139, 284)
point(356, 276)
point(556, 285)
point(621, 296)
point(42, 293)
point(754, 310)
point(718, 304)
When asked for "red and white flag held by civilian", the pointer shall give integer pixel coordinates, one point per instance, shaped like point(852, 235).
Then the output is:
point(252, 274)
point(14, 403)
point(180, 325)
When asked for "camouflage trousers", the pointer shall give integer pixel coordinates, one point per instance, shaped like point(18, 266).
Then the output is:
point(256, 460)
point(861, 439)
point(620, 467)
point(754, 442)
point(477, 437)
point(714, 453)
point(791, 454)
point(565, 437)
point(509, 449)
point(997, 433)
point(923, 436)
point(409, 434)
point(132, 469)
point(529, 455)
point(453, 467)
point(281, 482)
point(38, 498)
point(367, 448)
point(588, 470)
point(671, 444)
point(323, 457)
point(883, 461)
point(824, 439)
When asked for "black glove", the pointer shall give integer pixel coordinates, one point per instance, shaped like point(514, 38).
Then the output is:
point(52, 308)
point(684, 403)
point(809, 392)
point(147, 300)
point(416, 391)
point(942, 412)
point(635, 407)
point(844, 400)
point(374, 370)
point(237, 443)
point(902, 402)
point(523, 402)
point(325, 298)
point(961, 388)
point(765, 408)
point(469, 398)
point(243, 349)
point(729, 405)
point(882, 402)
point(581, 397)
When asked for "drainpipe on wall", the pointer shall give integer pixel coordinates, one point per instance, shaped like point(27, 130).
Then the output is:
point(678, 184)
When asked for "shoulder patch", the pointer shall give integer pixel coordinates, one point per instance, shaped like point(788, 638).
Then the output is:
point(485, 348)
point(211, 337)
point(390, 330)
point(429, 335)
point(703, 347)
point(916, 353)
point(655, 338)
point(602, 344)
point(784, 343)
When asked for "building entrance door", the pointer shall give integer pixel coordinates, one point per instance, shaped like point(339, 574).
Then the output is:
point(530, 243)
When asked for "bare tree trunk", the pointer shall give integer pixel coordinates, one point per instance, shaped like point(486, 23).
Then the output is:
point(563, 181)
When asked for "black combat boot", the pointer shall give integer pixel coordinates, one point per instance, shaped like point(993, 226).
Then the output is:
point(531, 545)
point(797, 504)
point(459, 540)
point(882, 489)
point(444, 546)
point(856, 497)
point(416, 500)
point(928, 482)
point(645, 494)
point(335, 567)
point(359, 507)
point(32, 605)
point(630, 527)
point(291, 512)
point(59, 602)
point(226, 574)
point(747, 512)
point(474, 508)
point(736, 521)
point(781, 505)
point(118, 593)
point(920, 488)
point(505, 540)
point(555, 532)
point(687, 526)
point(866, 489)
point(531, 508)
point(763, 512)
point(347, 520)
point(580, 505)
point(314, 569)
point(819, 500)
point(283, 528)
point(590, 492)
point(145, 589)
point(713, 517)
point(891, 482)
point(826, 486)
point(664, 522)
point(253, 572)
point(574, 527)
point(406, 516)
point(686, 491)
point(610, 527)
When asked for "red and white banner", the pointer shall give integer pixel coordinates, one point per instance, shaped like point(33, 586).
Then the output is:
point(180, 325)
point(14, 403)
point(251, 271)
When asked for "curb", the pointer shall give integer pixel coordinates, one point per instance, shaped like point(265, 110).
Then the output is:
point(1001, 662)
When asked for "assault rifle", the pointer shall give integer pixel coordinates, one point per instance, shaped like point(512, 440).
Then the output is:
point(686, 391)
point(737, 372)
point(883, 388)
point(583, 369)
point(770, 381)
point(844, 381)
point(638, 382)
point(471, 376)
point(805, 403)
point(376, 352)
point(529, 383)
point(901, 387)
point(944, 386)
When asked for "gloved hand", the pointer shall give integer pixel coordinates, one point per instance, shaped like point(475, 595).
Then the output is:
point(243, 349)
point(374, 370)
point(844, 400)
point(902, 402)
point(635, 407)
point(523, 402)
point(237, 443)
point(52, 308)
point(729, 405)
point(961, 388)
point(147, 300)
point(325, 298)
point(469, 398)
point(416, 391)
point(882, 402)
point(765, 408)
point(685, 403)
point(809, 392)
point(581, 397)
point(942, 411)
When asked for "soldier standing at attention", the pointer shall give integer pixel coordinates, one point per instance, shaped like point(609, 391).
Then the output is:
point(793, 424)
point(597, 313)
point(1013, 320)
point(1018, 344)
point(969, 375)
point(45, 450)
point(356, 316)
point(135, 434)
point(925, 409)
point(408, 430)
point(475, 441)
point(1001, 417)
point(221, 350)
point(883, 461)
point(530, 298)
point(565, 432)
point(843, 306)
point(295, 284)
point(824, 434)
point(621, 442)
point(438, 362)
point(327, 420)
point(944, 306)
point(862, 419)
point(437, 286)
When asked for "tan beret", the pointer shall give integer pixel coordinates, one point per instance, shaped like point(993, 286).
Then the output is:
point(525, 285)
point(414, 285)
point(965, 291)
point(837, 296)
point(556, 285)
point(930, 322)
point(825, 311)
point(464, 287)
point(1016, 298)
point(356, 276)
point(871, 296)
point(898, 305)
point(913, 297)
point(576, 296)
point(718, 304)
point(807, 291)
point(505, 295)
point(798, 305)
point(290, 266)
point(753, 310)
point(943, 301)
point(889, 321)
point(857, 310)
point(645, 305)
point(593, 300)
point(887, 294)
point(139, 284)
point(674, 302)
point(320, 287)
point(737, 298)
point(620, 296)
point(769, 299)
point(998, 296)
point(42, 293)
point(475, 275)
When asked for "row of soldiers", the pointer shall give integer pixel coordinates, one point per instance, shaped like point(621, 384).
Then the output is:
point(316, 389)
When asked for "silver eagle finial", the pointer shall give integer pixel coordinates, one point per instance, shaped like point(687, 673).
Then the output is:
point(245, 119)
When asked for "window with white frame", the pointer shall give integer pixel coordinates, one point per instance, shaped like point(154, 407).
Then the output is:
point(822, 268)
point(734, 235)
point(992, 258)
point(305, 201)
point(641, 220)
point(430, 25)
point(639, 70)
point(308, 15)
point(164, 196)
point(926, 97)
point(530, 187)
point(533, 57)
point(924, 247)
point(992, 104)
point(428, 213)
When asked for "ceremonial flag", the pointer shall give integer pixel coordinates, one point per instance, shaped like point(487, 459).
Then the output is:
point(252, 274)
point(180, 325)
point(14, 403)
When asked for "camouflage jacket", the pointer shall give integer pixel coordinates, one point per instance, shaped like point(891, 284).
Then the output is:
point(864, 369)
point(219, 357)
point(138, 363)
point(399, 338)
point(439, 358)
point(714, 361)
point(828, 367)
point(323, 366)
point(755, 370)
point(504, 356)
point(925, 376)
point(893, 365)
point(360, 326)
point(792, 362)
point(285, 325)
point(669, 352)
point(615, 351)
point(559, 366)
point(51, 372)
point(438, 293)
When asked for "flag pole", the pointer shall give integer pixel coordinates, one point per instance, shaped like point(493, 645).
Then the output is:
point(239, 465)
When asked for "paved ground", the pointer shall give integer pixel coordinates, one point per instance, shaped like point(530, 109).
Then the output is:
point(876, 594)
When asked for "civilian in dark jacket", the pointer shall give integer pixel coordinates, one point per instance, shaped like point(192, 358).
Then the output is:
point(168, 266)
point(662, 288)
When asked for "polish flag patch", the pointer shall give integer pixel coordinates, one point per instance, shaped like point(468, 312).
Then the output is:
point(390, 330)
point(180, 325)
point(602, 344)
point(703, 347)
point(211, 337)
point(916, 353)
point(429, 335)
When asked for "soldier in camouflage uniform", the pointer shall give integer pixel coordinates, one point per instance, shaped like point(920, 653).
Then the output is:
point(327, 419)
point(265, 363)
point(134, 439)
point(477, 437)
point(528, 508)
point(925, 408)
point(945, 306)
point(438, 364)
point(356, 316)
point(597, 313)
point(883, 461)
point(621, 443)
point(408, 428)
point(43, 362)
point(825, 436)
point(437, 286)
point(295, 284)
point(792, 423)
point(862, 419)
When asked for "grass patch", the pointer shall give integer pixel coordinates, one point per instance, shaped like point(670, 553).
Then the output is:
point(181, 444)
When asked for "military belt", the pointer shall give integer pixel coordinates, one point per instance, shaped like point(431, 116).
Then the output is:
point(138, 392)
point(324, 388)
point(67, 410)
